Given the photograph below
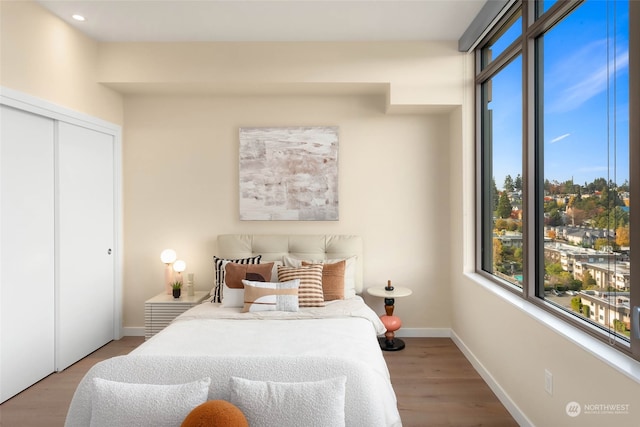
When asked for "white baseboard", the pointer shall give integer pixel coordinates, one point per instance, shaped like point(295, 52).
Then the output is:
point(502, 395)
point(423, 333)
point(133, 331)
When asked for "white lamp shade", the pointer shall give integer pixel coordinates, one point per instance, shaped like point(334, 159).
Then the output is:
point(168, 256)
point(179, 266)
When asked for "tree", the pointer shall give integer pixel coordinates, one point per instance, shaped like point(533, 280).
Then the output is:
point(508, 183)
point(624, 186)
point(504, 206)
point(495, 195)
point(501, 224)
point(576, 304)
point(555, 218)
point(553, 269)
point(622, 236)
point(518, 183)
point(602, 244)
point(588, 282)
point(497, 252)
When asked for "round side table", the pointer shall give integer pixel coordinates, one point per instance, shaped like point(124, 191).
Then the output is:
point(389, 342)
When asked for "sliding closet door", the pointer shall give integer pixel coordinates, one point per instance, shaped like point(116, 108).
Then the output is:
point(26, 250)
point(85, 218)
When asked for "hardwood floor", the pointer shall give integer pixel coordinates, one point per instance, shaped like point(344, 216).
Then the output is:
point(434, 383)
point(436, 386)
point(45, 403)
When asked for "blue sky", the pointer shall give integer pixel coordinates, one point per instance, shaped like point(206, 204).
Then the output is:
point(580, 132)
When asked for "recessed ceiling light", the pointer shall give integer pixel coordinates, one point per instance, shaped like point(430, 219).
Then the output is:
point(78, 17)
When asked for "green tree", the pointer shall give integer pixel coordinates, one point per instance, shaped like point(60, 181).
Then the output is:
point(555, 218)
point(588, 282)
point(495, 195)
point(624, 186)
point(553, 269)
point(576, 304)
point(605, 244)
point(508, 183)
point(504, 206)
point(518, 183)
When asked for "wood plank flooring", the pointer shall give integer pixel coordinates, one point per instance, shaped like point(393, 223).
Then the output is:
point(434, 383)
point(436, 386)
point(45, 403)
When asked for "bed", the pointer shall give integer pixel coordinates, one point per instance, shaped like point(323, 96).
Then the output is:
point(315, 365)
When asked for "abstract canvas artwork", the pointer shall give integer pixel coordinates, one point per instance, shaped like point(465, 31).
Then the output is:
point(289, 173)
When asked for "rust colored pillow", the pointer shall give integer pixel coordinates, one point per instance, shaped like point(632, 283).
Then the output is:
point(236, 273)
point(215, 413)
point(332, 279)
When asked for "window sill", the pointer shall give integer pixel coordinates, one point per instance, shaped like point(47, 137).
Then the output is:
point(612, 357)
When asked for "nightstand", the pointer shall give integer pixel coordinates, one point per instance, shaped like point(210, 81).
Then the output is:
point(389, 342)
point(160, 310)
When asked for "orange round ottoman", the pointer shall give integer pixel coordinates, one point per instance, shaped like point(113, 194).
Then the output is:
point(215, 413)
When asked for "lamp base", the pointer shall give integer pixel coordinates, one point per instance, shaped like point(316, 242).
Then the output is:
point(391, 345)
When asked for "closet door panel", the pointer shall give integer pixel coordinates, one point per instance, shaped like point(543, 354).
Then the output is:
point(85, 216)
point(26, 250)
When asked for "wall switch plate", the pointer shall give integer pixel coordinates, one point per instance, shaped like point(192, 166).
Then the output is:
point(548, 381)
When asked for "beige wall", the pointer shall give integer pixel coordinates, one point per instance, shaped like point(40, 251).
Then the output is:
point(44, 57)
point(181, 190)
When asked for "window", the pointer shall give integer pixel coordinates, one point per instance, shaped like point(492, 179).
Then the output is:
point(553, 161)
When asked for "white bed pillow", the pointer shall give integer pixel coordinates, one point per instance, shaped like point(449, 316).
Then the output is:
point(349, 272)
point(270, 296)
point(275, 404)
point(231, 297)
point(125, 404)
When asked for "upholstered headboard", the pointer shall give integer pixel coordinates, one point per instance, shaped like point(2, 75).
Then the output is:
point(273, 247)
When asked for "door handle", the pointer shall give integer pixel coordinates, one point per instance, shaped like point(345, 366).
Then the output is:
point(109, 251)
point(635, 321)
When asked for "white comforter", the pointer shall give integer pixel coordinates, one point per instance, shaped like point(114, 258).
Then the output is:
point(339, 339)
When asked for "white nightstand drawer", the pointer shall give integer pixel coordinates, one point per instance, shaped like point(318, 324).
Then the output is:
point(160, 310)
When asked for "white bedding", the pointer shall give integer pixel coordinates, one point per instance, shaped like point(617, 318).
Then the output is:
point(309, 345)
point(344, 327)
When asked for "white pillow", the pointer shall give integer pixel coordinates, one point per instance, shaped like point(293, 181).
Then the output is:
point(270, 296)
point(275, 404)
point(231, 297)
point(126, 404)
point(349, 271)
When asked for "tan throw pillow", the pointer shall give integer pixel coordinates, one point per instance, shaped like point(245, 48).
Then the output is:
point(236, 273)
point(310, 290)
point(332, 279)
point(268, 296)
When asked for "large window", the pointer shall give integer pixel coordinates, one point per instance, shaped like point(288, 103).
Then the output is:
point(553, 157)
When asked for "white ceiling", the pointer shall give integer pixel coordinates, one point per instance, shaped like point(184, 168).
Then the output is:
point(266, 20)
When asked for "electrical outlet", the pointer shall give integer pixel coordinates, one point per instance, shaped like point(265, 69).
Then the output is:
point(548, 381)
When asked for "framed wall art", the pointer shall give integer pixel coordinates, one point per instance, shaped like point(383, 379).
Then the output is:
point(289, 173)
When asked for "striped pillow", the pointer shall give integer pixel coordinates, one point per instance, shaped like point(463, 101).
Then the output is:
point(332, 279)
point(310, 290)
point(217, 287)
